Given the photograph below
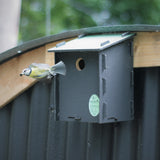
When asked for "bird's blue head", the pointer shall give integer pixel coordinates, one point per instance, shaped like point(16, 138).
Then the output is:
point(26, 72)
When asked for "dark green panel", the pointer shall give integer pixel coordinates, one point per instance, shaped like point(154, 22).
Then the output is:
point(75, 89)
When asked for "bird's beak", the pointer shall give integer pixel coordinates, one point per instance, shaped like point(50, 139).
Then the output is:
point(21, 74)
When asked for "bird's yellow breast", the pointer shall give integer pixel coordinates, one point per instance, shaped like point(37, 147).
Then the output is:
point(38, 73)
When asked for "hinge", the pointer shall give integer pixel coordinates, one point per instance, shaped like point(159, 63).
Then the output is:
point(104, 43)
point(131, 48)
point(132, 78)
point(60, 44)
point(75, 117)
point(81, 35)
point(125, 34)
point(132, 108)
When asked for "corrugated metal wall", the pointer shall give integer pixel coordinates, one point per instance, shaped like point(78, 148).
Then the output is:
point(28, 130)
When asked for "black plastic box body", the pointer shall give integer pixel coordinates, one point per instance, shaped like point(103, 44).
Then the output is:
point(102, 91)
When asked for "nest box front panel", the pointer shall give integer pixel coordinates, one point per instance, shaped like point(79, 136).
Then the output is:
point(77, 89)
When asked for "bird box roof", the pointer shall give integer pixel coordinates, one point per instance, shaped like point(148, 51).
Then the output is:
point(91, 42)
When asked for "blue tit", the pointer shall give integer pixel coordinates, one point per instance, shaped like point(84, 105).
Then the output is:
point(40, 70)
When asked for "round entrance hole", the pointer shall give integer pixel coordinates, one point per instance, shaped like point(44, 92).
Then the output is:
point(80, 64)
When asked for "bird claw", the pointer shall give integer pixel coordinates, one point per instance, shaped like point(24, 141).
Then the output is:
point(49, 76)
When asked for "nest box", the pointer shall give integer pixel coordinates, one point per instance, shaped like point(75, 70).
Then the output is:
point(98, 86)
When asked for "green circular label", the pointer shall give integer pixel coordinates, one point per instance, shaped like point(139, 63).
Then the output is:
point(94, 105)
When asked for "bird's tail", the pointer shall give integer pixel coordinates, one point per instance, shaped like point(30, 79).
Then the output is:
point(59, 68)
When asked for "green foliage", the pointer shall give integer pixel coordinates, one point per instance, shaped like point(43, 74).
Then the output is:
point(137, 11)
point(64, 16)
point(75, 14)
point(32, 22)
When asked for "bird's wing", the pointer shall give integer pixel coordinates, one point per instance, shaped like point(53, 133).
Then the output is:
point(40, 66)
